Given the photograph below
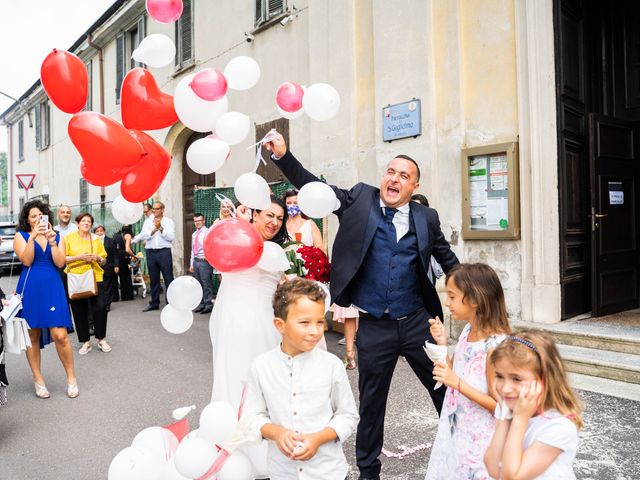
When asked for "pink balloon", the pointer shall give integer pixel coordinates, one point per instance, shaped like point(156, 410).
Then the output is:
point(289, 97)
point(164, 11)
point(209, 84)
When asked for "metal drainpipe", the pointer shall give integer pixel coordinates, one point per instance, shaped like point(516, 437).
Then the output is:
point(103, 195)
point(10, 159)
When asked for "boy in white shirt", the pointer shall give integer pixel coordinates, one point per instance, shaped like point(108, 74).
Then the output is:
point(299, 396)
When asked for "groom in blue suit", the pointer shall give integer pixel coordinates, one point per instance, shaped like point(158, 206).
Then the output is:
point(380, 260)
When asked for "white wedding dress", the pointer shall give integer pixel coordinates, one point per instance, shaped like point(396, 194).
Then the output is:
point(241, 328)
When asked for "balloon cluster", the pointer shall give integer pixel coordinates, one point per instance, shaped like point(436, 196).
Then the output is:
point(183, 295)
point(158, 453)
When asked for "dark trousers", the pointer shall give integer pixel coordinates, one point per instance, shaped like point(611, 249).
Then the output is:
point(380, 342)
point(126, 286)
point(159, 261)
point(203, 272)
point(94, 306)
point(110, 283)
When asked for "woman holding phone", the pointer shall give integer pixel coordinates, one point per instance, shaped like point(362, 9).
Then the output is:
point(44, 305)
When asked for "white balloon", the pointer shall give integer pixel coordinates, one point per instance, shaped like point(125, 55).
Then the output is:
point(206, 155)
point(242, 73)
point(158, 440)
point(273, 258)
point(236, 467)
point(218, 422)
point(321, 101)
point(317, 199)
point(126, 212)
point(194, 457)
point(197, 114)
point(338, 205)
point(176, 321)
point(184, 293)
point(290, 115)
point(170, 472)
point(156, 50)
point(233, 127)
point(135, 463)
point(253, 191)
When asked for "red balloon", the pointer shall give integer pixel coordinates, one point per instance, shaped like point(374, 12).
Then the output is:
point(233, 245)
point(143, 105)
point(66, 81)
point(209, 84)
point(289, 96)
point(107, 148)
point(164, 11)
point(141, 182)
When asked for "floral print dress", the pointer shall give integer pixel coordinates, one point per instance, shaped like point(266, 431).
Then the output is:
point(465, 428)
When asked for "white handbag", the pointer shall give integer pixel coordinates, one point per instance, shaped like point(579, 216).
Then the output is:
point(82, 285)
point(16, 330)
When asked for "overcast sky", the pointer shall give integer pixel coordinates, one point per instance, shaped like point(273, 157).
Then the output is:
point(30, 30)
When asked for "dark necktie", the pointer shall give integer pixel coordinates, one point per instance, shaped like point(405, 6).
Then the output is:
point(388, 217)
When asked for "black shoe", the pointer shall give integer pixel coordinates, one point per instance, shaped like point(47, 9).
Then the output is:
point(148, 308)
point(206, 310)
point(199, 308)
point(108, 308)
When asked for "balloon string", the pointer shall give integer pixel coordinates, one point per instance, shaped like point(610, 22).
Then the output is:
point(271, 134)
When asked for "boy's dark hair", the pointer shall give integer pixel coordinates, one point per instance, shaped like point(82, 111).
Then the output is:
point(288, 292)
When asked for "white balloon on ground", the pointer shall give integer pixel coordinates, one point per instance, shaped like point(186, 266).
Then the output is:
point(253, 191)
point(184, 293)
point(290, 115)
point(155, 50)
point(158, 440)
point(195, 113)
point(317, 199)
point(206, 155)
point(170, 473)
point(233, 127)
point(236, 467)
point(274, 258)
point(242, 73)
point(176, 321)
point(218, 422)
point(194, 457)
point(126, 212)
point(135, 463)
point(321, 101)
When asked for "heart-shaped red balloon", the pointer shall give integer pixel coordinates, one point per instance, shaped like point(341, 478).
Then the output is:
point(143, 105)
point(107, 148)
point(146, 177)
point(65, 79)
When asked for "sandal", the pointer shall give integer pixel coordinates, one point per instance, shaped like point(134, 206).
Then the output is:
point(350, 360)
point(41, 390)
point(72, 389)
point(104, 346)
point(85, 348)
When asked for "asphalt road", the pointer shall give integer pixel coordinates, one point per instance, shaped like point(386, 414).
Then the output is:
point(150, 372)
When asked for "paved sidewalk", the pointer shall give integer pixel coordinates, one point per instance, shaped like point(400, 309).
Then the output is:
point(150, 372)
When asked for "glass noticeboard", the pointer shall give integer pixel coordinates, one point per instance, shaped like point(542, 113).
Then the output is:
point(491, 202)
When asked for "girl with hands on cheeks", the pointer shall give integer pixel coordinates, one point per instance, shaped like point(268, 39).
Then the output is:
point(538, 415)
point(474, 295)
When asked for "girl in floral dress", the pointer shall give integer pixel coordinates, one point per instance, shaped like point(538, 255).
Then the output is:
point(474, 295)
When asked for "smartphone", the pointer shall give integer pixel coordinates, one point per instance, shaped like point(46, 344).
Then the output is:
point(44, 220)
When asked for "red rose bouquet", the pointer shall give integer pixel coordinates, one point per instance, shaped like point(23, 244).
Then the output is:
point(307, 262)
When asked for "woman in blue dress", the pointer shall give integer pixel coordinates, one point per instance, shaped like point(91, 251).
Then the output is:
point(44, 304)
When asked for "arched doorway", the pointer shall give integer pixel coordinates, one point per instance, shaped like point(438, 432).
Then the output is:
point(190, 180)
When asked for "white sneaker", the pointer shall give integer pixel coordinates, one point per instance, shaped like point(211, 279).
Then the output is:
point(342, 341)
point(85, 348)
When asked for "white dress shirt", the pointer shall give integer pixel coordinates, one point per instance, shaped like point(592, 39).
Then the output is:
point(71, 227)
point(400, 219)
point(160, 239)
point(305, 393)
point(201, 233)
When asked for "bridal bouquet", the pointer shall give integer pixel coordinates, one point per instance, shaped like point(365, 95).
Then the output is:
point(307, 262)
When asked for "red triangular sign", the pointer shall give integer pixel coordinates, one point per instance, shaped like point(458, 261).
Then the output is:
point(26, 179)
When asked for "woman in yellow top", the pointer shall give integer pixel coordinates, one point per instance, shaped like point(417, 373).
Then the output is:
point(84, 251)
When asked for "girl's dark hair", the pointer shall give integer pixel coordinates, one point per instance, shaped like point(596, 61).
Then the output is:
point(81, 215)
point(23, 218)
point(126, 229)
point(481, 286)
point(282, 236)
point(292, 192)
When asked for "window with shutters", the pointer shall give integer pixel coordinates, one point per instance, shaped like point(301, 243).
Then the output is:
point(89, 105)
point(184, 36)
point(266, 10)
point(21, 141)
point(126, 43)
point(43, 128)
point(84, 192)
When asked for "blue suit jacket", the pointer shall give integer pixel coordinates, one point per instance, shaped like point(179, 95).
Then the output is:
point(359, 215)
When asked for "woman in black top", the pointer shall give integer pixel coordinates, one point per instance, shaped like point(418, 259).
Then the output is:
point(122, 240)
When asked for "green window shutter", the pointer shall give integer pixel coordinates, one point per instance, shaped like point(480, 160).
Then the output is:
point(38, 127)
point(89, 105)
point(120, 64)
point(47, 124)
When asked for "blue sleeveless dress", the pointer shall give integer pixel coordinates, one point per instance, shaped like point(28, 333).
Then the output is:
point(44, 303)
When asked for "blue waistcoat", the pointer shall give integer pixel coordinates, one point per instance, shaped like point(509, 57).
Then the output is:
point(388, 277)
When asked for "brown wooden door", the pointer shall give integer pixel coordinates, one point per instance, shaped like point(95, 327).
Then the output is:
point(614, 165)
point(190, 180)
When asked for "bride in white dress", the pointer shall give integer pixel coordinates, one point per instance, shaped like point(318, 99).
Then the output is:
point(241, 323)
